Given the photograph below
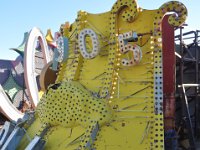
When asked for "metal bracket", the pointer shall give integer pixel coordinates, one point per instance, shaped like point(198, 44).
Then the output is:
point(5, 132)
point(93, 135)
point(36, 144)
point(14, 139)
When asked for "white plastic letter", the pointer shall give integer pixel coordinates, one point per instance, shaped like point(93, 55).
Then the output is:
point(82, 43)
point(125, 47)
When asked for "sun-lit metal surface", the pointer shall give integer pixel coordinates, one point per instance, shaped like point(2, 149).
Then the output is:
point(5, 131)
point(98, 102)
point(7, 108)
point(14, 139)
point(29, 69)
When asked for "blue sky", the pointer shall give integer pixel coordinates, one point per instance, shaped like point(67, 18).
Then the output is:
point(19, 16)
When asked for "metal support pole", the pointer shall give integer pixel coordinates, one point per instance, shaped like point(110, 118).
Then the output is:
point(181, 70)
point(184, 102)
point(197, 114)
point(188, 120)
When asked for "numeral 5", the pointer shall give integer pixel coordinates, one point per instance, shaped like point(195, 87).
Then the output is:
point(124, 47)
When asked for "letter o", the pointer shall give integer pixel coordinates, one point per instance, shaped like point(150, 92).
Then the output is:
point(82, 43)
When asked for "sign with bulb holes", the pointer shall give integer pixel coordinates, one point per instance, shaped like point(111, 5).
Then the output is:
point(115, 56)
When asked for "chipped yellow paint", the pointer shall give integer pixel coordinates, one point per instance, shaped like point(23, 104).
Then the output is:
point(126, 101)
point(40, 94)
point(49, 37)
